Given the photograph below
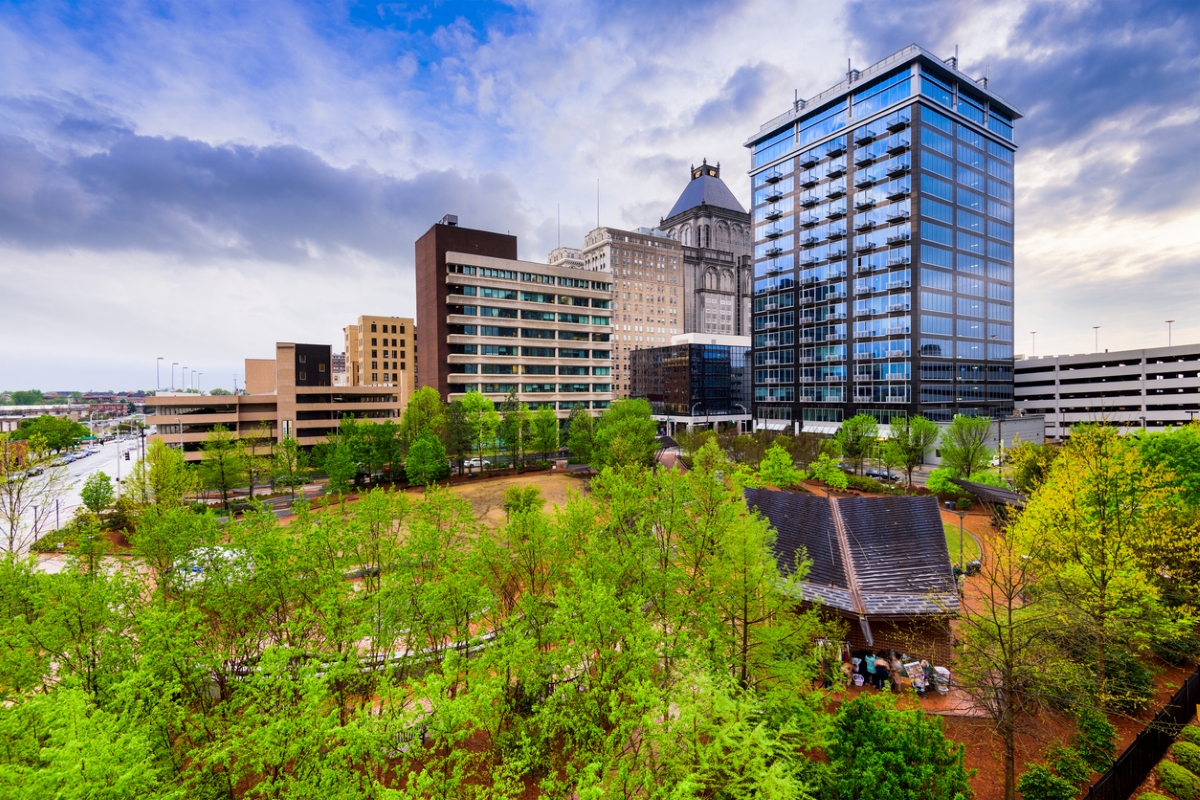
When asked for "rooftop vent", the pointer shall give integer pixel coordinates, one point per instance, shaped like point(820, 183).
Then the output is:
point(449, 219)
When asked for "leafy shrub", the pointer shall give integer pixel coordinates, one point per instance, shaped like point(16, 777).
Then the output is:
point(1130, 685)
point(988, 479)
point(963, 503)
point(1152, 796)
point(1069, 764)
point(1039, 783)
point(1095, 738)
point(939, 483)
point(1187, 755)
point(1177, 780)
point(1177, 651)
point(826, 470)
point(1190, 733)
point(865, 484)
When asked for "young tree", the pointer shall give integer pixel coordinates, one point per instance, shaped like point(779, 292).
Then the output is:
point(424, 412)
point(581, 428)
point(1094, 531)
point(964, 445)
point(514, 427)
point(857, 436)
point(827, 470)
point(456, 433)
point(290, 466)
point(1029, 463)
point(544, 429)
point(482, 418)
point(97, 492)
point(58, 433)
point(163, 478)
point(777, 468)
point(29, 486)
point(426, 460)
point(382, 451)
point(222, 465)
point(256, 451)
point(625, 434)
point(909, 441)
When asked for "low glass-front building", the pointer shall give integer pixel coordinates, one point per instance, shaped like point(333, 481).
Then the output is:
point(883, 249)
point(697, 380)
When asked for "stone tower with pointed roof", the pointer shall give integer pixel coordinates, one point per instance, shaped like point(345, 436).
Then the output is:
point(714, 231)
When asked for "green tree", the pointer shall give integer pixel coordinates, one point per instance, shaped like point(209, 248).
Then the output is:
point(424, 412)
point(625, 434)
point(581, 428)
point(513, 429)
point(222, 464)
point(257, 453)
point(1096, 531)
point(544, 430)
point(1029, 463)
point(28, 397)
point(163, 478)
point(59, 433)
point(909, 442)
point(290, 465)
point(426, 460)
point(30, 484)
point(777, 468)
point(220, 392)
point(457, 433)
point(522, 499)
point(481, 416)
point(964, 445)
point(857, 437)
point(875, 750)
point(1178, 451)
point(97, 492)
point(828, 471)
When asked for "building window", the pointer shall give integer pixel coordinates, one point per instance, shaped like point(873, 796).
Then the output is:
point(320, 368)
point(373, 330)
point(303, 376)
point(374, 377)
point(303, 359)
point(374, 342)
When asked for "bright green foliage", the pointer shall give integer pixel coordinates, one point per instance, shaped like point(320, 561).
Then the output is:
point(1187, 755)
point(625, 435)
point(988, 479)
point(456, 433)
point(909, 442)
point(1039, 783)
point(97, 492)
point(290, 465)
point(59, 433)
point(857, 437)
point(28, 397)
point(964, 445)
point(163, 479)
point(1179, 452)
point(426, 460)
point(522, 499)
point(1152, 796)
point(1068, 764)
point(581, 431)
point(481, 419)
point(826, 470)
point(777, 468)
point(1095, 738)
point(544, 430)
point(514, 428)
point(877, 751)
point(425, 412)
point(1177, 780)
point(939, 483)
point(222, 464)
point(1190, 733)
point(336, 457)
point(1028, 464)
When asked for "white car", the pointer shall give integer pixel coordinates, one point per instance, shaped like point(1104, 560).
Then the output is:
point(475, 462)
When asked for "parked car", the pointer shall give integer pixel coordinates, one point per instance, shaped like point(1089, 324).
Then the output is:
point(475, 462)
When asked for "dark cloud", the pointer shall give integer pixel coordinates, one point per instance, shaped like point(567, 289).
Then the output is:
point(181, 196)
point(741, 95)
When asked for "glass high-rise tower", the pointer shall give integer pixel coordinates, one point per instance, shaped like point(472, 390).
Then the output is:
point(883, 249)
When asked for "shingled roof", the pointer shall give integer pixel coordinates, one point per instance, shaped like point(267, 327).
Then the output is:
point(706, 190)
point(871, 557)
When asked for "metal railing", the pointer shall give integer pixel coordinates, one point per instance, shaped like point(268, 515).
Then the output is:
point(1144, 752)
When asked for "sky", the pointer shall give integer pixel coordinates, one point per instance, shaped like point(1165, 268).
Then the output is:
point(198, 180)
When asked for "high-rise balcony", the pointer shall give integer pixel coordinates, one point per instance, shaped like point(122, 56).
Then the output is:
point(835, 190)
point(836, 212)
point(898, 192)
point(898, 214)
point(902, 236)
point(808, 160)
point(809, 200)
point(836, 148)
point(901, 258)
point(836, 170)
point(773, 213)
point(774, 232)
point(774, 195)
point(774, 252)
point(864, 135)
point(774, 176)
point(864, 203)
point(807, 180)
point(898, 144)
point(863, 179)
point(809, 219)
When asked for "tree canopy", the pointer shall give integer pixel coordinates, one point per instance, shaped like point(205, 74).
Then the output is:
point(59, 433)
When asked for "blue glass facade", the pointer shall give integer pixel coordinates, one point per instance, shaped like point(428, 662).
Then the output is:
point(883, 250)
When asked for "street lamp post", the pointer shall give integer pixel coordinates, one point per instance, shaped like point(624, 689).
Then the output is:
point(177, 419)
point(1033, 343)
point(954, 509)
point(158, 374)
point(1096, 330)
point(1169, 332)
point(174, 364)
point(200, 382)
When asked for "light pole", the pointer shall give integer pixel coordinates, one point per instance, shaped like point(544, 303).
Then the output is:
point(201, 381)
point(183, 380)
point(193, 386)
point(158, 374)
point(1032, 344)
point(952, 508)
point(1096, 330)
point(1169, 332)
point(174, 364)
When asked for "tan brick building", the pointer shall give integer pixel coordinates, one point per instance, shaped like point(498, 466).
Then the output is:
point(382, 351)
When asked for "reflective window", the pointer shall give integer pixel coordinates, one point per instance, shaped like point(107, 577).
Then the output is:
point(936, 187)
point(999, 311)
point(972, 158)
point(936, 348)
point(999, 291)
point(771, 149)
point(821, 125)
point(932, 87)
point(970, 221)
point(1000, 170)
point(1000, 332)
point(970, 136)
point(970, 285)
point(1001, 272)
point(970, 178)
point(998, 230)
point(886, 92)
point(936, 325)
point(932, 301)
point(936, 256)
point(969, 263)
point(934, 210)
point(971, 109)
point(936, 164)
point(970, 243)
point(1000, 210)
point(968, 307)
point(970, 328)
point(997, 352)
point(969, 199)
point(1000, 190)
point(934, 140)
point(999, 151)
point(969, 349)
point(999, 124)
point(938, 234)
point(997, 250)
point(936, 279)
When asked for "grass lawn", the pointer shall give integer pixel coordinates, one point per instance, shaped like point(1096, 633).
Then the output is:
point(970, 546)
